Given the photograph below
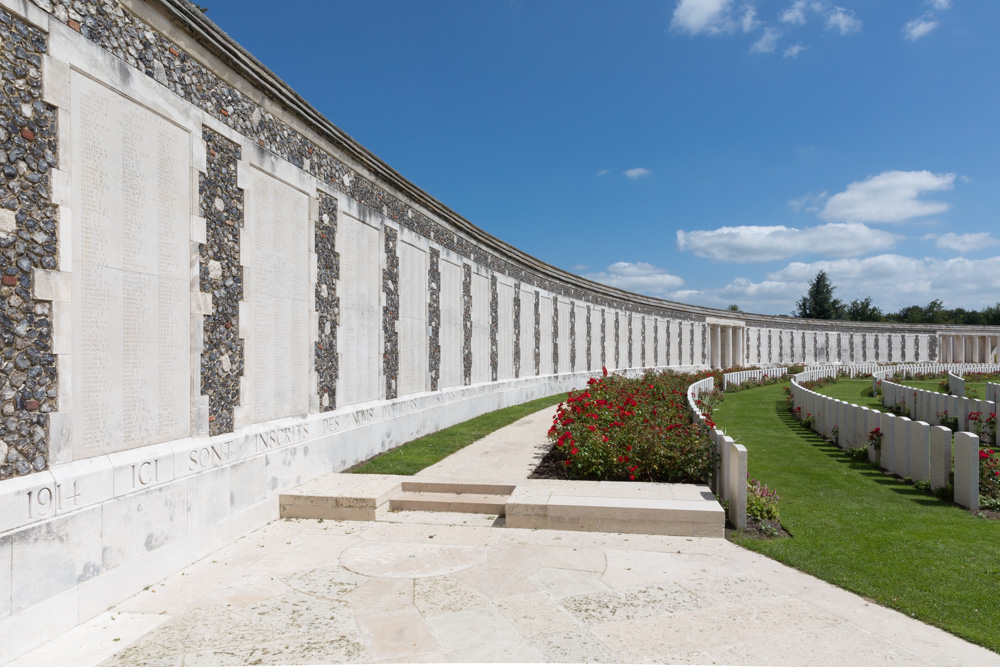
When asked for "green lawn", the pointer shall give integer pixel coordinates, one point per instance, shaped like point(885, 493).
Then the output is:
point(851, 391)
point(865, 531)
point(414, 456)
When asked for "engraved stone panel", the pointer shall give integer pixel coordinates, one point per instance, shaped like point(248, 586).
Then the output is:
point(505, 331)
point(131, 264)
point(610, 317)
point(527, 333)
point(451, 324)
point(545, 334)
point(581, 337)
point(412, 319)
point(480, 328)
point(595, 338)
point(564, 336)
point(663, 334)
point(650, 360)
point(276, 272)
point(360, 315)
point(623, 340)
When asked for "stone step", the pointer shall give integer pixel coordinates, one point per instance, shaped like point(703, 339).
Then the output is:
point(454, 486)
point(469, 503)
point(546, 508)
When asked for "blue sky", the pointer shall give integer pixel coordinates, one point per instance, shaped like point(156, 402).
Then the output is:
point(706, 151)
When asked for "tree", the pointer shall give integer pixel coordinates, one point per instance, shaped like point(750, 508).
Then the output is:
point(734, 307)
point(818, 303)
point(862, 310)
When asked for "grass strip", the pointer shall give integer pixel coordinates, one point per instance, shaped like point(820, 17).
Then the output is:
point(865, 531)
point(412, 457)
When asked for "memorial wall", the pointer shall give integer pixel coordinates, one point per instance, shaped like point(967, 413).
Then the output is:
point(211, 294)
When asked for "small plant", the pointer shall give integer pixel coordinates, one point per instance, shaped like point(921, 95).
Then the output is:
point(989, 474)
point(835, 434)
point(875, 439)
point(808, 420)
point(946, 421)
point(762, 508)
point(990, 427)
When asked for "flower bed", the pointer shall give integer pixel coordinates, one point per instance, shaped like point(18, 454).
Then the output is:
point(634, 429)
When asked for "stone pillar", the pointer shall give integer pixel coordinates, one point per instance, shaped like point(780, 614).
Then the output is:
point(738, 346)
point(726, 340)
point(960, 357)
point(714, 357)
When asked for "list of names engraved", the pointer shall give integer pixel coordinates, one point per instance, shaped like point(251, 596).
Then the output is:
point(131, 289)
point(359, 340)
point(278, 290)
point(412, 319)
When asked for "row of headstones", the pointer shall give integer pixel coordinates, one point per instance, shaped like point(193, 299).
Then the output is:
point(729, 479)
point(930, 406)
point(913, 449)
point(739, 377)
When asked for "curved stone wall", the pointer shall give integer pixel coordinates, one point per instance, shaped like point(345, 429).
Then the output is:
point(211, 294)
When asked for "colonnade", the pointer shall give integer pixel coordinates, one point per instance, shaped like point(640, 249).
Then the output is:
point(968, 348)
point(726, 345)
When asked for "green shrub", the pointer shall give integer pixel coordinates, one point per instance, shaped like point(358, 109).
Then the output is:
point(635, 429)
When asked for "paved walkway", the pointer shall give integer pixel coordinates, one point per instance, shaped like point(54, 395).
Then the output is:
point(427, 587)
point(512, 452)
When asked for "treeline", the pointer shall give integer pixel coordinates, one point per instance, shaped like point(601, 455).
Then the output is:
point(819, 303)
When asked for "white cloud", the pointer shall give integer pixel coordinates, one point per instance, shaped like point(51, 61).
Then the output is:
point(697, 16)
point(578, 268)
point(916, 28)
point(767, 42)
point(962, 242)
point(766, 244)
point(638, 277)
point(893, 282)
point(798, 13)
point(637, 173)
point(794, 50)
point(810, 201)
point(749, 20)
point(891, 196)
point(940, 5)
point(603, 172)
point(843, 20)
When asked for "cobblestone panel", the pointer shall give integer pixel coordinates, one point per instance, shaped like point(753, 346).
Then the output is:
point(28, 238)
point(327, 302)
point(222, 359)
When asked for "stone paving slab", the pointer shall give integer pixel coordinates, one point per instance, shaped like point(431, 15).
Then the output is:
point(334, 592)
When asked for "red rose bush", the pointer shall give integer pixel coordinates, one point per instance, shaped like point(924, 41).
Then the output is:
point(633, 429)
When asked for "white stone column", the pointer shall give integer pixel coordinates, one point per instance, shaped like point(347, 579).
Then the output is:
point(739, 346)
point(727, 346)
point(961, 349)
point(714, 357)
